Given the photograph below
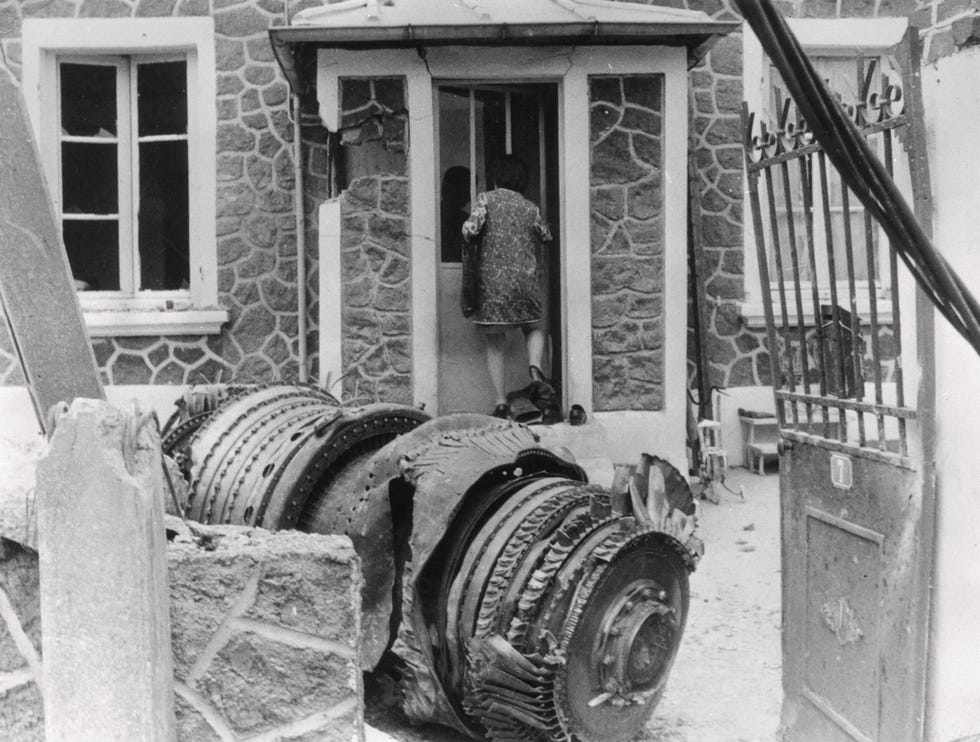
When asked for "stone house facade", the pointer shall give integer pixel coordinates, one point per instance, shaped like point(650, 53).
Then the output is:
point(239, 317)
point(252, 231)
point(252, 335)
point(252, 328)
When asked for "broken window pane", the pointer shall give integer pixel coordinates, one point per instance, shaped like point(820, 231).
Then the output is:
point(88, 100)
point(93, 253)
point(89, 178)
point(164, 235)
point(162, 94)
point(525, 140)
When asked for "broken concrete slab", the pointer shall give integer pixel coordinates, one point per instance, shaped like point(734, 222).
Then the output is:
point(108, 672)
point(37, 294)
point(266, 631)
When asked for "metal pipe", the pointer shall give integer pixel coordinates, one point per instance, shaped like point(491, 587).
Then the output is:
point(869, 250)
point(840, 373)
point(486, 179)
point(300, 238)
point(896, 313)
point(797, 293)
point(781, 285)
point(775, 361)
point(508, 125)
point(845, 200)
point(820, 357)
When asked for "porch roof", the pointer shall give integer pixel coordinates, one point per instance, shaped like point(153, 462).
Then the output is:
point(394, 24)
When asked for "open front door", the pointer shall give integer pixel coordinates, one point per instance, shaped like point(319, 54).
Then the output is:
point(857, 499)
point(477, 124)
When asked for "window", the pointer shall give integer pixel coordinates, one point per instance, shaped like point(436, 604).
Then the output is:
point(123, 163)
point(124, 113)
point(838, 48)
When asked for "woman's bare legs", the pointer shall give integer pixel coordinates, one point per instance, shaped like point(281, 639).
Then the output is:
point(534, 339)
point(496, 342)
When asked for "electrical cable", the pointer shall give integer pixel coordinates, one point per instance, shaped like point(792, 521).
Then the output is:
point(862, 171)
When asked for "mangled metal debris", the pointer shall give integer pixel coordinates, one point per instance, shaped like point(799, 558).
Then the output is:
point(518, 601)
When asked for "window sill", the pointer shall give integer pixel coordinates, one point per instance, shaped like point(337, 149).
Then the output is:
point(142, 322)
point(755, 318)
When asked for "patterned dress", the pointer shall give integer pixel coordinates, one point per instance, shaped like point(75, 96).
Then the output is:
point(509, 231)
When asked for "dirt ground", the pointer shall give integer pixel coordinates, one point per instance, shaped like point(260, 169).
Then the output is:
point(725, 683)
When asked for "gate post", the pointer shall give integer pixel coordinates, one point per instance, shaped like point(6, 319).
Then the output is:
point(105, 619)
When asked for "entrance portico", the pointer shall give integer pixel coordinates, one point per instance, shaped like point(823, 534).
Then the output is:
point(619, 321)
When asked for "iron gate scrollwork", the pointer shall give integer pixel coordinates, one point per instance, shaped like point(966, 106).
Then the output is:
point(821, 359)
point(855, 490)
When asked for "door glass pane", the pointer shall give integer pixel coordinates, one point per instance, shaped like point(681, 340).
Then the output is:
point(88, 100)
point(89, 178)
point(525, 139)
point(164, 241)
point(161, 89)
point(93, 253)
point(491, 134)
point(454, 165)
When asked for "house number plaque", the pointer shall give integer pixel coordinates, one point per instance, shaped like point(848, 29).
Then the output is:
point(841, 475)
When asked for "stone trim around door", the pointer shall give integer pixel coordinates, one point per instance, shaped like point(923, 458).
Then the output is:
point(570, 68)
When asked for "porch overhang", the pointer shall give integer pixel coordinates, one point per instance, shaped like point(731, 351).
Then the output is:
point(418, 24)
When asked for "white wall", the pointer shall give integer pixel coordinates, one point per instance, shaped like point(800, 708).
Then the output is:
point(18, 421)
point(952, 99)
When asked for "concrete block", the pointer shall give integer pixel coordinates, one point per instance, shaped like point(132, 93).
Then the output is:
point(105, 625)
point(265, 626)
point(21, 718)
point(266, 635)
point(258, 683)
point(291, 594)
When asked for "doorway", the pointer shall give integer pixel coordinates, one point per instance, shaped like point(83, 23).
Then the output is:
point(477, 124)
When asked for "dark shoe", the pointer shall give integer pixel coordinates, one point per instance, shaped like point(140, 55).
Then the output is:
point(551, 415)
point(502, 410)
point(537, 374)
point(523, 411)
point(542, 394)
point(576, 415)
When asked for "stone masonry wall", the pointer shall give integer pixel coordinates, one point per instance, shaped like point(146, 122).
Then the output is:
point(255, 228)
point(21, 715)
point(715, 100)
point(375, 244)
point(627, 238)
point(265, 634)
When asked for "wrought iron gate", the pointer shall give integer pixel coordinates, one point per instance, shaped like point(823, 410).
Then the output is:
point(856, 499)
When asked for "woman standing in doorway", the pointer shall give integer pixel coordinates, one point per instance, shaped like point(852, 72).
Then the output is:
point(509, 232)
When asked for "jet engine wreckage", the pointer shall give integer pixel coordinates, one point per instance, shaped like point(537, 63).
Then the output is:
point(518, 601)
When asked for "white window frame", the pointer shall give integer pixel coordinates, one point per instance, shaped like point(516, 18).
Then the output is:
point(48, 41)
point(819, 37)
